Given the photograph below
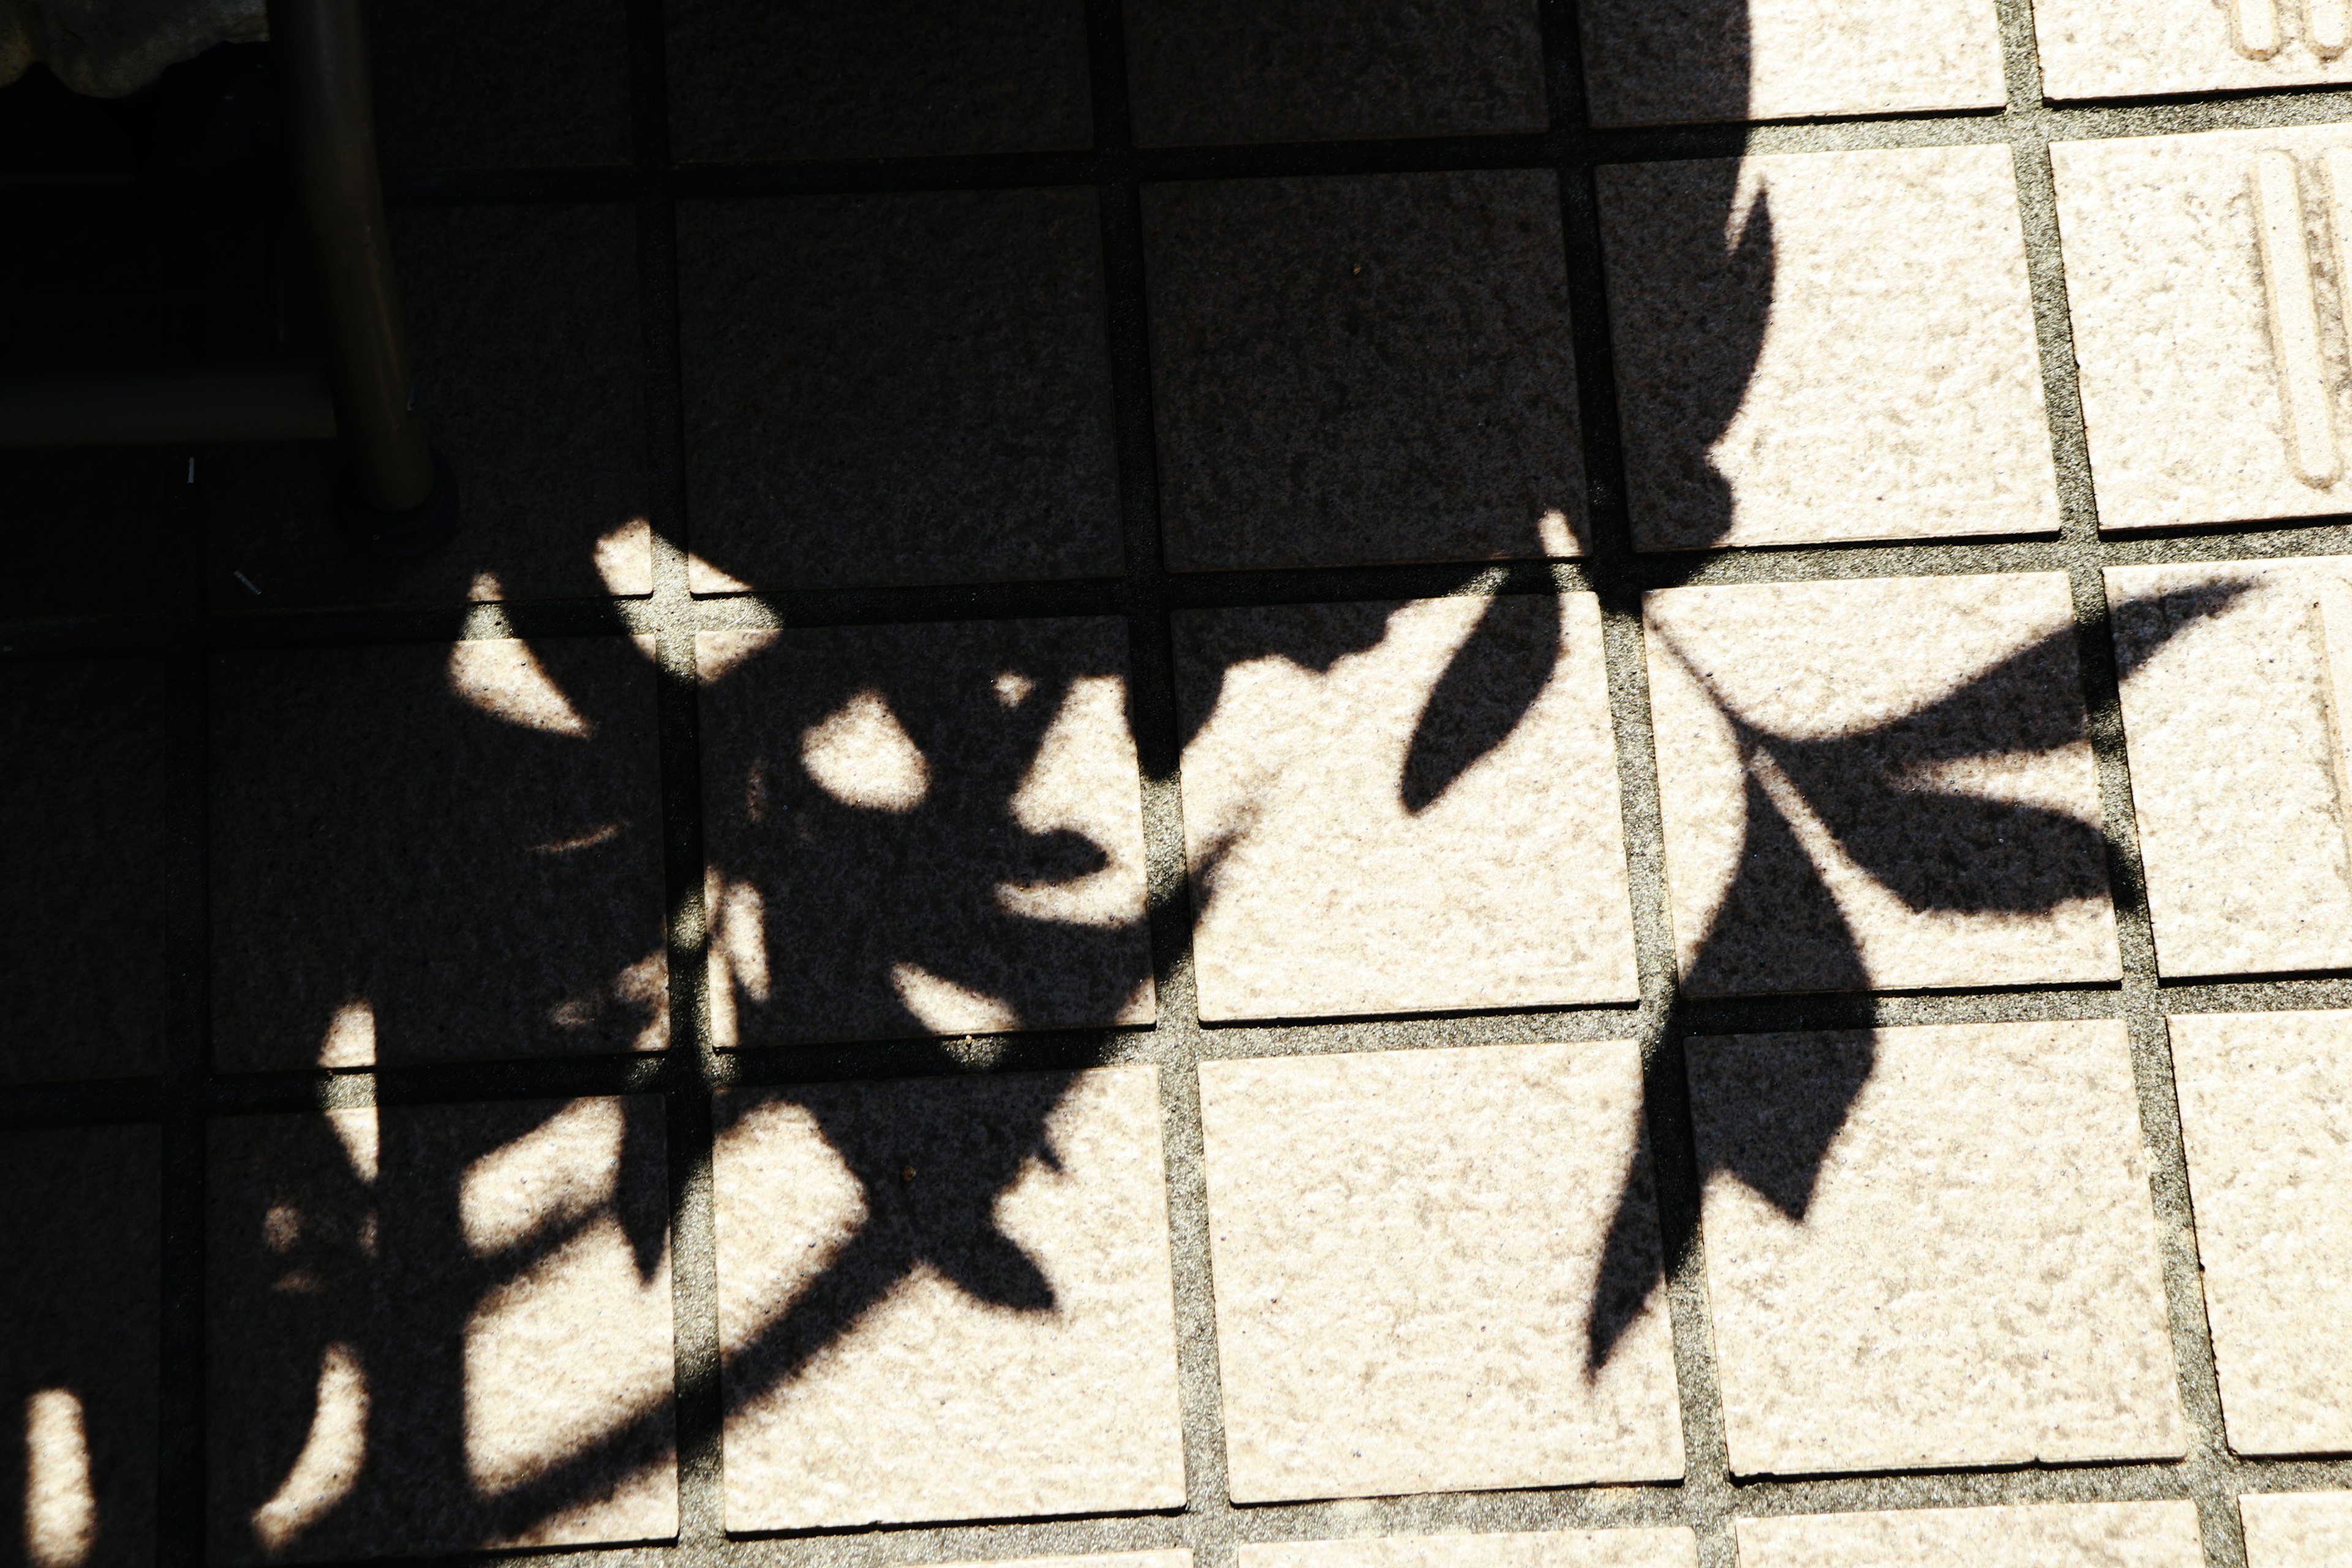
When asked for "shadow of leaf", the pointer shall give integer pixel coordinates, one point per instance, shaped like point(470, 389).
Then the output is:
point(1489, 684)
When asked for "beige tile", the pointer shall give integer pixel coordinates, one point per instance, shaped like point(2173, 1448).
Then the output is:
point(1548, 1549)
point(1880, 784)
point(2226, 704)
point(946, 1300)
point(2311, 1531)
point(1779, 59)
point(2192, 415)
point(1824, 346)
point(1403, 806)
point(2123, 49)
point(2064, 1535)
point(437, 1328)
point(1438, 1271)
point(2266, 1112)
point(1932, 1249)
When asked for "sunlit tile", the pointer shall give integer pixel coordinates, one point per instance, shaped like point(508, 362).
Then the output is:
point(2124, 48)
point(2310, 1530)
point(1674, 1548)
point(2067, 1535)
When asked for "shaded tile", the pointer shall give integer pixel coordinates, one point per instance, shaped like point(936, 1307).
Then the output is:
point(80, 1291)
point(1314, 70)
point(2288, 1531)
point(1438, 1271)
point(461, 86)
point(1394, 808)
point(897, 389)
point(922, 830)
point(752, 81)
point(2226, 703)
point(2266, 1112)
point(435, 853)
point(2191, 415)
point(1549, 1549)
point(946, 1298)
point(1784, 59)
point(93, 530)
point(1877, 785)
point(2064, 1535)
point(2124, 48)
point(81, 873)
point(1363, 370)
point(436, 1327)
point(529, 357)
point(1932, 1248)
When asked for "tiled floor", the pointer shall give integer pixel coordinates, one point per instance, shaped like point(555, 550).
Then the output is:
point(1322, 783)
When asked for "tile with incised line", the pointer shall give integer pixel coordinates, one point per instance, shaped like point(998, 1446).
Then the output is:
point(2126, 48)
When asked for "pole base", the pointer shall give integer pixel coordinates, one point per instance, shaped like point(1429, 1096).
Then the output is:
point(406, 535)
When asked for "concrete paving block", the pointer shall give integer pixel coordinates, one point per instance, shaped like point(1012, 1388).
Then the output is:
point(1546, 1548)
point(1402, 807)
point(1932, 1248)
point(2063, 1535)
point(2126, 48)
point(944, 1300)
point(2310, 1530)
point(2266, 1112)
point(1877, 785)
point(1438, 1271)
point(1826, 346)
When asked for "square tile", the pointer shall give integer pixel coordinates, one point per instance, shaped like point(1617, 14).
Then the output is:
point(1786, 59)
point(2266, 1112)
point(462, 85)
point(1930, 1248)
point(2064, 1535)
point(922, 830)
point(82, 1292)
point(897, 389)
point(946, 1298)
point(1826, 345)
point(435, 853)
point(1318, 70)
point(1402, 807)
point(2126, 49)
point(82, 879)
point(436, 1328)
point(2283, 1531)
point(1363, 370)
point(2227, 705)
point(1881, 783)
point(527, 342)
point(1548, 1549)
point(1438, 1271)
point(2193, 416)
point(754, 81)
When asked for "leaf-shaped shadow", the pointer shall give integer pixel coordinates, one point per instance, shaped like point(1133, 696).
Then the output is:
point(1489, 684)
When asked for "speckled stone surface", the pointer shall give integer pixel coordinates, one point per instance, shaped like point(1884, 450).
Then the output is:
point(1363, 370)
point(2266, 1112)
point(1648, 64)
point(81, 1293)
point(1313, 70)
point(460, 85)
point(81, 869)
point(2226, 706)
point(439, 1328)
point(1960, 1270)
point(1880, 784)
point(1546, 1548)
point(946, 1300)
point(897, 389)
point(2314, 1531)
point(2183, 397)
point(977, 782)
point(434, 853)
point(1824, 346)
point(1435, 1273)
point(2126, 49)
point(1402, 807)
point(2064, 1535)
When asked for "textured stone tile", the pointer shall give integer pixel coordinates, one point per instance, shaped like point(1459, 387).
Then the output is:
point(1313, 70)
point(1393, 807)
point(2124, 48)
point(946, 1298)
point(1932, 1248)
point(2312, 1531)
point(2226, 701)
point(897, 389)
point(435, 1329)
point(2266, 1112)
point(81, 873)
point(2192, 416)
point(1823, 346)
point(1877, 785)
point(435, 853)
point(752, 81)
point(461, 86)
point(2064, 1535)
point(80, 1291)
point(922, 830)
point(1782, 59)
point(1363, 369)
point(1548, 1549)
point(1438, 1271)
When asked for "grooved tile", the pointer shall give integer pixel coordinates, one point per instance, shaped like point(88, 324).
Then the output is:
point(2127, 49)
point(2064, 1535)
point(2313, 1531)
point(1546, 1548)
